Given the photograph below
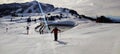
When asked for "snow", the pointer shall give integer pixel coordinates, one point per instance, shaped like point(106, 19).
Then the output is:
point(85, 38)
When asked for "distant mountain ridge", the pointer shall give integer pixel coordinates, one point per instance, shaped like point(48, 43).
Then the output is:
point(29, 7)
point(32, 7)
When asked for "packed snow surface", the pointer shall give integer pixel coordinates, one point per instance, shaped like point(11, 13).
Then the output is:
point(86, 38)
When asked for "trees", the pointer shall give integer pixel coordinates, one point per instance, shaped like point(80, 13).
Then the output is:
point(103, 19)
point(73, 12)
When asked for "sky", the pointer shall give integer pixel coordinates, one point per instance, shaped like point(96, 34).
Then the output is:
point(86, 7)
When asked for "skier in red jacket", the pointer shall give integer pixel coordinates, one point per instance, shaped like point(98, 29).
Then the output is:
point(55, 31)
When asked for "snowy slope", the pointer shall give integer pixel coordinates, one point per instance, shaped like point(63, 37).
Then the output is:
point(86, 38)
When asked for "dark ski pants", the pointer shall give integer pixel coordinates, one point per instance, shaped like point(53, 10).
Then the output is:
point(27, 32)
point(55, 37)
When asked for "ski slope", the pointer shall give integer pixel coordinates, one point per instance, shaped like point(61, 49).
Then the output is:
point(86, 38)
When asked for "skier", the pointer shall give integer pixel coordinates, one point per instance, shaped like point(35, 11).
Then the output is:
point(27, 29)
point(35, 20)
point(55, 31)
point(11, 19)
point(28, 20)
point(6, 29)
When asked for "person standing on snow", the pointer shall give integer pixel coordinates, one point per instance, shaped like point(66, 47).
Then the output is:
point(27, 28)
point(55, 31)
point(29, 20)
point(6, 29)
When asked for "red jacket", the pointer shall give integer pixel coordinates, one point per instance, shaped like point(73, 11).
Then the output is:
point(55, 30)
